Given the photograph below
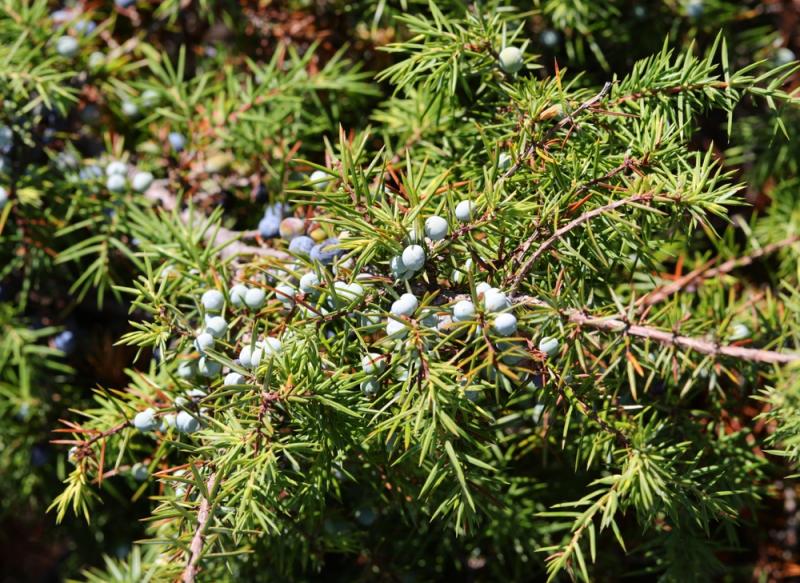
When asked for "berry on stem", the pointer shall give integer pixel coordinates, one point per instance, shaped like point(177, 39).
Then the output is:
point(464, 210)
point(511, 60)
point(213, 300)
point(146, 420)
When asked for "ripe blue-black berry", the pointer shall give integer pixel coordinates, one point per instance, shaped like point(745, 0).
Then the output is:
point(65, 341)
point(269, 226)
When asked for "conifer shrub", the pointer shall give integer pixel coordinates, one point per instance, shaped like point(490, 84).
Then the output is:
point(399, 291)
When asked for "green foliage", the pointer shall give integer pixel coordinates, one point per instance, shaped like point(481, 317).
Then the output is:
point(617, 428)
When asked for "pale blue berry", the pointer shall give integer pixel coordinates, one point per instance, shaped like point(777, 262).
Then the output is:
point(373, 363)
point(269, 226)
point(694, 9)
point(245, 356)
point(326, 251)
point(116, 167)
point(319, 179)
point(740, 332)
point(399, 269)
point(216, 326)
point(548, 345)
point(233, 378)
point(67, 46)
point(504, 161)
point(186, 369)
point(370, 387)
point(549, 38)
point(435, 228)
point(285, 294)
point(301, 245)
point(238, 293)
point(177, 141)
point(255, 298)
point(204, 341)
point(396, 328)
point(130, 109)
point(405, 305)
point(495, 301)
point(213, 300)
point(146, 421)
point(511, 60)
point(139, 472)
point(482, 288)
point(784, 56)
point(414, 257)
point(142, 181)
point(463, 311)
point(116, 183)
point(3, 197)
point(464, 210)
point(6, 138)
point(208, 368)
point(185, 422)
point(150, 98)
point(309, 283)
point(505, 324)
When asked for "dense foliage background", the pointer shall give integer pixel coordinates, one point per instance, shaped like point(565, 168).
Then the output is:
point(634, 189)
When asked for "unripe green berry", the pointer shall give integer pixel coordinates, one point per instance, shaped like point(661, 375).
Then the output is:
point(370, 387)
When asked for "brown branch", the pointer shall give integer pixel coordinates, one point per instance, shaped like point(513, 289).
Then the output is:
point(703, 273)
point(670, 338)
point(669, 91)
point(196, 546)
point(554, 238)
